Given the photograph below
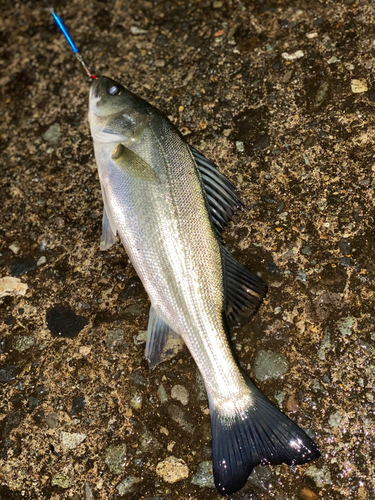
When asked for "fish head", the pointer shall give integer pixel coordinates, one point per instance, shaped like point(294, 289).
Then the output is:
point(115, 113)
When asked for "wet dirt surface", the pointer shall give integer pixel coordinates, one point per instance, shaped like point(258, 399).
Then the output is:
point(281, 95)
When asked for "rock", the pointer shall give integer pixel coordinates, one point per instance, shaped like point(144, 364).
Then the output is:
point(270, 365)
point(127, 485)
point(8, 373)
point(52, 134)
point(306, 250)
point(172, 469)
point(240, 146)
point(200, 387)
point(23, 343)
point(88, 491)
point(72, 439)
point(139, 380)
point(41, 261)
point(324, 346)
point(321, 477)
point(22, 266)
point(335, 419)
point(115, 458)
point(179, 416)
point(204, 475)
point(64, 322)
point(62, 480)
point(136, 400)
point(141, 338)
point(77, 405)
point(148, 442)
point(261, 477)
point(301, 276)
point(114, 338)
point(359, 86)
point(292, 57)
point(52, 420)
point(14, 248)
point(180, 393)
point(162, 394)
point(307, 494)
point(33, 402)
point(345, 326)
point(159, 63)
point(134, 30)
point(12, 286)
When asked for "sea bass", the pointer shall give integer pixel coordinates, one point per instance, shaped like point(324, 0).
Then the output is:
point(169, 205)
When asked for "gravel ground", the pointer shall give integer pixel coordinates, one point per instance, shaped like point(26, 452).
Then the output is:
point(281, 95)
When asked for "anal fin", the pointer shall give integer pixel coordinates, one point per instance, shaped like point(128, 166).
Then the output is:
point(162, 341)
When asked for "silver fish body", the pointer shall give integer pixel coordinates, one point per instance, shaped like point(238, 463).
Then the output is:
point(164, 199)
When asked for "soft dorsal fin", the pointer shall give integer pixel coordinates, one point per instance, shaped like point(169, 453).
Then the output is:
point(244, 290)
point(108, 237)
point(162, 341)
point(220, 192)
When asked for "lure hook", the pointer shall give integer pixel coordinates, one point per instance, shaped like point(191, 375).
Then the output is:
point(65, 32)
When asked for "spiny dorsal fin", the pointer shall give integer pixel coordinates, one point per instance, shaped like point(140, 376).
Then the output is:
point(162, 340)
point(220, 192)
point(244, 290)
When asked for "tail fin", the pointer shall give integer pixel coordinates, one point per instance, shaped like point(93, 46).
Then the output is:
point(259, 435)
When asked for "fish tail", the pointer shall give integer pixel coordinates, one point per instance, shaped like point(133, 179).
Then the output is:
point(260, 434)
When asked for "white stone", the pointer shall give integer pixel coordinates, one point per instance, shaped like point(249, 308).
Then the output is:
point(72, 439)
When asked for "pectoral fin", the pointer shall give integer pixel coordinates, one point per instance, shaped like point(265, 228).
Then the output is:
point(162, 341)
point(108, 237)
point(133, 165)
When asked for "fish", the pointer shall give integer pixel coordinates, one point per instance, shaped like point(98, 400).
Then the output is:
point(169, 205)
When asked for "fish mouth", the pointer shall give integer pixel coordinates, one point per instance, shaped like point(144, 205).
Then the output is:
point(95, 90)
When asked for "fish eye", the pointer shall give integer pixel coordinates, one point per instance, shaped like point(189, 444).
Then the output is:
point(114, 90)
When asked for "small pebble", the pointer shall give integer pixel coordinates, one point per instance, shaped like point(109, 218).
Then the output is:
point(23, 343)
point(180, 393)
point(172, 469)
point(204, 476)
point(307, 494)
point(136, 400)
point(269, 364)
point(179, 416)
point(22, 267)
point(115, 458)
point(321, 477)
point(52, 134)
point(159, 63)
point(335, 419)
point(162, 394)
point(114, 338)
point(15, 248)
point(12, 286)
point(127, 485)
point(72, 439)
point(359, 86)
point(52, 420)
point(345, 326)
point(240, 146)
point(62, 480)
point(292, 57)
point(41, 261)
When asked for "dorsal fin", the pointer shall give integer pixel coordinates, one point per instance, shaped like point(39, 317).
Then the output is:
point(220, 192)
point(244, 290)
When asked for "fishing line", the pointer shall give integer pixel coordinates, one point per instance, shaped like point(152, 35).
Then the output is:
point(65, 32)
